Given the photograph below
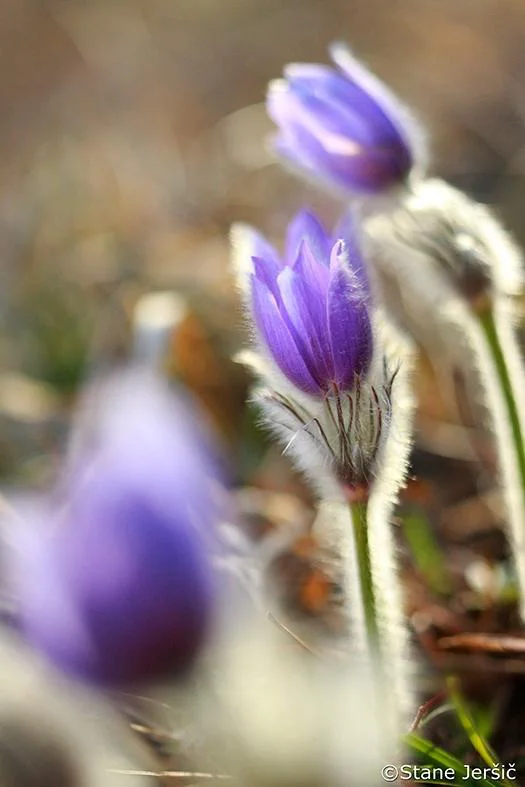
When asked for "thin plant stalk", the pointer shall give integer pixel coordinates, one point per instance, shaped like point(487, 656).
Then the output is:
point(497, 325)
point(489, 325)
point(360, 530)
point(492, 346)
point(335, 529)
point(344, 528)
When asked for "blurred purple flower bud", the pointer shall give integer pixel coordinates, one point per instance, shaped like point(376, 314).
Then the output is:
point(311, 309)
point(343, 126)
point(116, 587)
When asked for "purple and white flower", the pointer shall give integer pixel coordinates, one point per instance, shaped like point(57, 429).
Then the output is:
point(113, 576)
point(311, 307)
point(343, 126)
point(325, 387)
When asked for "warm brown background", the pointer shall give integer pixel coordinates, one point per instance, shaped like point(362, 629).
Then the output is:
point(132, 135)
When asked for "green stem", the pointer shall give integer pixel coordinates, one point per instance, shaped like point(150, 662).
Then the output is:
point(488, 324)
point(360, 525)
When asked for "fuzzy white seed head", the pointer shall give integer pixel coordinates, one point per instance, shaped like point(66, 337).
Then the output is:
point(438, 244)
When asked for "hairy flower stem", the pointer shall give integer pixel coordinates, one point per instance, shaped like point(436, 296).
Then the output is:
point(395, 665)
point(360, 527)
point(503, 376)
point(488, 324)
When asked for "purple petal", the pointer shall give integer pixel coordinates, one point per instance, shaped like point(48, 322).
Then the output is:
point(348, 319)
point(305, 308)
point(313, 272)
point(332, 127)
point(356, 72)
point(261, 248)
point(378, 92)
point(279, 340)
point(306, 226)
point(135, 417)
point(114, 597)
point(354, 169)
point(290, 111)
point(266, 271)
point(342, 106)
point(292, 145)
point(296, 141)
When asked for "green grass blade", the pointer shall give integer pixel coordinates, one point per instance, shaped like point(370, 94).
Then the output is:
point(442, 759)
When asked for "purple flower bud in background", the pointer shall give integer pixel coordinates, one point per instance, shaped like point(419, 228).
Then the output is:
point(311, 308)
point(113, 579)
point(343, 126)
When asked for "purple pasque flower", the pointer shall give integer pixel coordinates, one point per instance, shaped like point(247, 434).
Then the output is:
point(113, 578)
point(311, 308)
point(343, 125)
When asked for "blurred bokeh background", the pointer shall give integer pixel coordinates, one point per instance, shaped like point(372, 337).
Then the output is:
point(132, 135)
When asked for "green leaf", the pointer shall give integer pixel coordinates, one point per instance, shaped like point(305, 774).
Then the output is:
point(465, 718)
point(440, 758)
